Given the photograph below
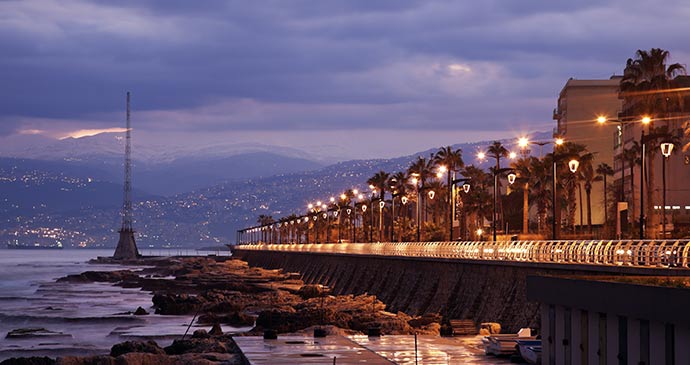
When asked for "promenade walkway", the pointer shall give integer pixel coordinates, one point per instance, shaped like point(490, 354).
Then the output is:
point(360, 349)
point(673, 254)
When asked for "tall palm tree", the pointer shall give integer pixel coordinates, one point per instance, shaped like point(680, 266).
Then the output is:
point(588, 177)
point(497, 151)
point(452, 160)
point(568, 182)
point(631, 157)
point(398, 184)
point(475, 202)
point(603, 170)
point(422, 170)
point(642, 78)
point(380, 182)
point(541, 181)
point(264, 220)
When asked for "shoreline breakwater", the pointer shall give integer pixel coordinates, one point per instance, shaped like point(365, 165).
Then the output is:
point(482, 291)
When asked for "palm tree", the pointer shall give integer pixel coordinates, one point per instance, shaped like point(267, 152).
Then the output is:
point(380, 183)
point(421, 169)
point(452, 160)
point(497, 151)
point(603, 170)
point(686, 133)
point(541, 181)
point(264, 220)
point(475, 202)
point(398, 184)
point(589, 177)
point(643, 77)
point(631, 158)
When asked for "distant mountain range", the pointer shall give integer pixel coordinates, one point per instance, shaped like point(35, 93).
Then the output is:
point(196, 200)
point(158, 170)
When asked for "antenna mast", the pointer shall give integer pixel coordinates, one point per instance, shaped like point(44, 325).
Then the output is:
point(127, 246)
point(127, 204)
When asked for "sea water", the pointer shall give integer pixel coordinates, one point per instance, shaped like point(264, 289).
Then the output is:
point(91, 317)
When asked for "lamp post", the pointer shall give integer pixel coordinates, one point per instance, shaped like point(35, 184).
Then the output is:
point(511, 180)
point(643, 142)
point(524, 142)
point(451, 188)
point(326, 218)
point(310, 208)
point(404, 201)
point(415, 182)
point(645, 121)
point(666, 149)
point(343, 198)
point(371, 223)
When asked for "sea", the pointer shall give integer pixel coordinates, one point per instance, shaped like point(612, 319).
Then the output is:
point(83, 319)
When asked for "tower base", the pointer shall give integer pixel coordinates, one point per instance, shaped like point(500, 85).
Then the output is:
point(126, 246)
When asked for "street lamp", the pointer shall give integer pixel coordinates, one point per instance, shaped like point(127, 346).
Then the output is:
point(416, 184)
point(382, 204)
point(511, 181)
point(666, 149)
point(404, 201)
point(645, 120)
point(451, 188)
point(524, 142)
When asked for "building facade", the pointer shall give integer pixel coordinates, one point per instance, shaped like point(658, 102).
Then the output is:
point(580, 102)
point(611, 321)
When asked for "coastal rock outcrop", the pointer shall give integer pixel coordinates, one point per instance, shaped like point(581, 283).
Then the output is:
point(149, 347)
point(28, 361)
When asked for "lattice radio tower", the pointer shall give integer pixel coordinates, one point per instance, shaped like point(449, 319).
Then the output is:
point(126, 246)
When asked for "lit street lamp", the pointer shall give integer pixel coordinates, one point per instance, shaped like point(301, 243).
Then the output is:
point(511, 180)
point(645, 121)
point(451, 188)
point(524, 142)
point(666, 149)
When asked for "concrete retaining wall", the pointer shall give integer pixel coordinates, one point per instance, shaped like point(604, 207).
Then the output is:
point(481, 292)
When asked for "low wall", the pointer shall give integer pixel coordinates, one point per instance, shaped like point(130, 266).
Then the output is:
point(483, 292)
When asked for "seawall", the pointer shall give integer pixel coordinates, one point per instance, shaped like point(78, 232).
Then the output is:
point(481, 290)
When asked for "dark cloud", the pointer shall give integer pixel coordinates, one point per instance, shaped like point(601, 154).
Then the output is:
point(329, 65)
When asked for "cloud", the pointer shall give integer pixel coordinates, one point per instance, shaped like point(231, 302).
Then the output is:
point(310, 65)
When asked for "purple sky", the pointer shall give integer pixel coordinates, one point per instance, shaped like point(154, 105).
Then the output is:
point(354, 78)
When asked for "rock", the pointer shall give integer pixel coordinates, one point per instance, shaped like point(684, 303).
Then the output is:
point(138, 358)
point(140, 312)
point(28, 361)
point(489, 328)
point(149, 347)
point(235, 319)
point(200, 334)
point(34, 332)
point(176, 304)
point(310, 291)
point(197, 345)
point(216, 330)
point(425, 320)
point(100, 276)
point(89, 360)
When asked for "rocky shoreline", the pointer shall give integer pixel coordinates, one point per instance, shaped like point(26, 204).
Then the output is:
point(221, 290)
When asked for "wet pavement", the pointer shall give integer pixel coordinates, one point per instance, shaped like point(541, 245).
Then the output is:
point(360, 349)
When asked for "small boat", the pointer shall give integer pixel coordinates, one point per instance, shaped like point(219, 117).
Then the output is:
point(504, 344)
point(530, 350)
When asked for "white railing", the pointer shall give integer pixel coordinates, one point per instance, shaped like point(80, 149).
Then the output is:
point(635, 253)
